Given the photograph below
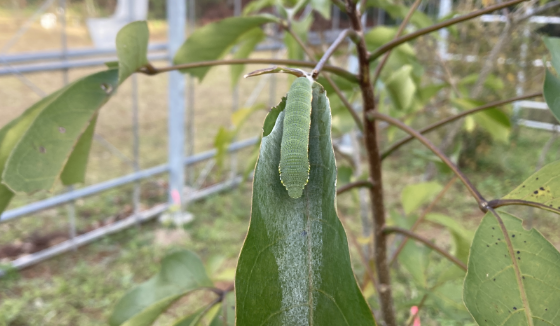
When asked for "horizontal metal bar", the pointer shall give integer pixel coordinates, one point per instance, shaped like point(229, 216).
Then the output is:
point(132, 220)
point(533, 105)
point(38, 67)
point(534, 19)
point(103, 186)
point(538, 125)
point(75, 53)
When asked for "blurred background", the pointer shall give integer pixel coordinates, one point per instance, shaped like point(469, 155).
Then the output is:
point(45, 44)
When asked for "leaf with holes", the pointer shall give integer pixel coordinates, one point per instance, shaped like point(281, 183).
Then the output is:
point(212, 41)
point(501, 289)
point(132, 48)
point(181, 273)
point(294, 268)
point(40, 155)
point(542, 187)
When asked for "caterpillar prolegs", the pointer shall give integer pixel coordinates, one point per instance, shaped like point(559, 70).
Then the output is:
point(294, 161)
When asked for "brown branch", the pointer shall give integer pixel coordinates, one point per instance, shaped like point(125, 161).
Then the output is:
point(151, 70)
point(330, 51)
point(518, 202)
point(397, 123)
point(352, 185)
point(438, 124)
point(421, 219)
point(393, 229)
point(408, 37)
point(374, 160)
point(337, 90)
point(407, 18)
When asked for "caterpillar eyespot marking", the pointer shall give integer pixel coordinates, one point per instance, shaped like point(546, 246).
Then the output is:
point(294, 161)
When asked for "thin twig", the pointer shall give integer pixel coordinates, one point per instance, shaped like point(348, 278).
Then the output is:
point(421, 219)
point(394, 229)
point(438, 124)
point(408, 37)
point(352, 185)
point(397, 123)
point(151, 70)
point(330, 51)
point(407, 18)
point(519, 202)
point(337, 90)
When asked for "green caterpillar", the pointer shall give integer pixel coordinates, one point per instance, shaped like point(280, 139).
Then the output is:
point(294, 161)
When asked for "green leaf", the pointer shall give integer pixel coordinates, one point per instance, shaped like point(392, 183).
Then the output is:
point(248, 43)
point(416, 195)
point(227, 310)
point(415, 259)
point(191, 320)
point(542, 187)
point(294, 268)
point(10, 134)
point(492, 292)
point(379, 35)
point(272, 116)
point(323, 7)
point(257, 5)
point(419, 19)
point(221, 141)
point(39, 157)
point(401, 87)
point(462, 238)
point(301, 29)
point(495, 121)
point(551, 92)
point(75, 169)
point(213, 40)
point(132, 48)
point(553, 45)
point(181, 272)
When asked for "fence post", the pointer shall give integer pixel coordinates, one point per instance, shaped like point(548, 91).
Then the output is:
point(176, 19)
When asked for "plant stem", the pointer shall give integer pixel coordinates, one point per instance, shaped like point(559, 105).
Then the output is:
point(376, 191)
point(151, 70)
point(330, 51)
point(519, 202)
point(337, 90)
point(438, 124)
point(352, 185)
point(408, 37)
point(380, 66)
point(421, 219)
point(394, 229)
point(474, 192)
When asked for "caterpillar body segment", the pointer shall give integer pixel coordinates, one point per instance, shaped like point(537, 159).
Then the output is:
point(294, 161)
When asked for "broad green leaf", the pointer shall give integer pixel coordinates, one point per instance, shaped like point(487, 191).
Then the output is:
point(462, 238)
point(301, 29)
point(272, 116)
point(75, 169)
point(213, 40)
point(416, 195)
point(190, 320)
point(553, 45)
point(415, 259)
point(227, 312)
point(419, 19)
point(323, 7)
point(181, 272)
point(39, 157)
point(248, 43)
point(542, 187)
point(447, 298)
point(495, 121)
point(551, 92)
point(427, 92)
point(257, 5)
point(492, 292)
point(401, 87)
point(132, 48)
point(294, 268)
point(379, 35)
point(10, 134)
